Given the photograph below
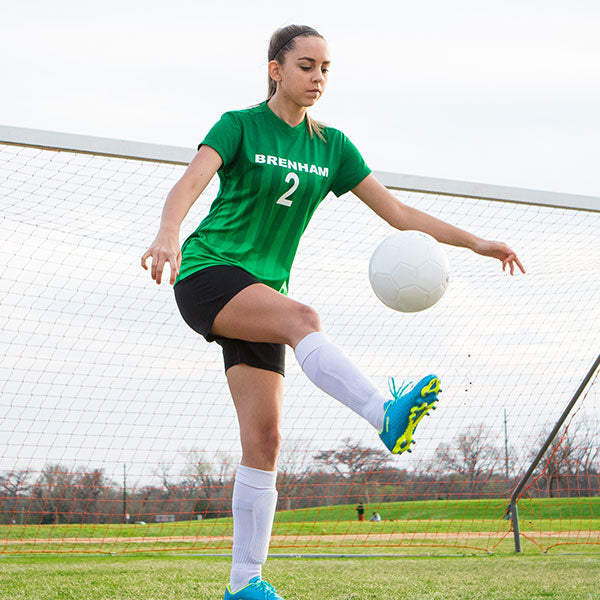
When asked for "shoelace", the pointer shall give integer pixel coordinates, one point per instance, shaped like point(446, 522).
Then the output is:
point(397, 392)
point(267, 588)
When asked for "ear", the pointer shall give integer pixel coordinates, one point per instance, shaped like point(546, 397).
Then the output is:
point(274, 70)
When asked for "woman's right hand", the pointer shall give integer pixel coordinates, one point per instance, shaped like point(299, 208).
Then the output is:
point(164, 249)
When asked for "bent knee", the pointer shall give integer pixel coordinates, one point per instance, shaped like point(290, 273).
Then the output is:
point(305, 320)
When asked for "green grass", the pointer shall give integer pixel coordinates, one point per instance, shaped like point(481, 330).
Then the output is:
point(468, 510)
point(456, 515)
point(307, 530)
point(164, 575)
point(191, 578)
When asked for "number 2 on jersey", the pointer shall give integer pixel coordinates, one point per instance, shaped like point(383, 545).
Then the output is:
point(284, 198)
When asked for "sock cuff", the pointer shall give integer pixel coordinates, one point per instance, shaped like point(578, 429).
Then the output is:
point(308, 344)
point(256, 478)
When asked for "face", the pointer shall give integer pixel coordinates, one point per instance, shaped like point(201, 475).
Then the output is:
point(302, 77)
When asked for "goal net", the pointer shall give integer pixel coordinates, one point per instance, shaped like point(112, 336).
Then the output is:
point(118, 433)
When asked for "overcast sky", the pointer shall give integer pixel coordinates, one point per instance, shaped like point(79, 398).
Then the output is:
point(498, 92)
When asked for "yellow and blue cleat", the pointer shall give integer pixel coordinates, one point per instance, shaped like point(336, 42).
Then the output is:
point(257, 589)
point(404, 412)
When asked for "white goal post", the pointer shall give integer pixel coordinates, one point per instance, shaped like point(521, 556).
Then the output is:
point(37, 138)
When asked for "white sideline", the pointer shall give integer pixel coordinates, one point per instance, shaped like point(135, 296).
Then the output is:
point(52, 140)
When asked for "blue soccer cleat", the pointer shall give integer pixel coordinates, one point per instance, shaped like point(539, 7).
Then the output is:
point(257, 589)
point(404, 412)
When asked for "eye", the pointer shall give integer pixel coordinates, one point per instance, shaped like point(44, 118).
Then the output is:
point(305, 68)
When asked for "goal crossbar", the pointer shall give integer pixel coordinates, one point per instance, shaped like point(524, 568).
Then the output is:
point(179, 155)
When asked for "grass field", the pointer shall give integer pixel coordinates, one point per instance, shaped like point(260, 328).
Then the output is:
point(538, 577)
point(453, 538)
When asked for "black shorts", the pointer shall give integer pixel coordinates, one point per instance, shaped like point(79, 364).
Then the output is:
point(201, 296)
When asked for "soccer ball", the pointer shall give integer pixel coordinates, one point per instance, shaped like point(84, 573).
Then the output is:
point(408, 271)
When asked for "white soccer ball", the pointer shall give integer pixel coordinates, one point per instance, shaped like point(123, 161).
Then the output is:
point(409, 271)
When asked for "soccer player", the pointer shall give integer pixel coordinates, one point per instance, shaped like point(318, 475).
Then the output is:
point(275, 166)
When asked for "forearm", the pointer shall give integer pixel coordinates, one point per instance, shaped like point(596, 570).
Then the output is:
point(401, 216)
point(406, 217)
point(177, 205)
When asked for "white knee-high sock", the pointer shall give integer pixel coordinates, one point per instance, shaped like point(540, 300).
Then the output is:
point(333, 372)
point(253, 507)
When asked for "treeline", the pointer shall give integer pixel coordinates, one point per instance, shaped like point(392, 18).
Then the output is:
point(469, 467)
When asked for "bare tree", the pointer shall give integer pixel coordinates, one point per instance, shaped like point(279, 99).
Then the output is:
point(471, 456)
point(293, 473)
point(355, 462)
point(12, 485)
point(571, 461)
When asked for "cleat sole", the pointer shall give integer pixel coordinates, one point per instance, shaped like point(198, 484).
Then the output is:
point(417, 413)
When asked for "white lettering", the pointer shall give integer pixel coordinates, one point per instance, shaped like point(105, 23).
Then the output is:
point(286, 163)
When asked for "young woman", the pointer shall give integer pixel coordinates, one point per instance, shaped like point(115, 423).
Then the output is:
point(275, 165)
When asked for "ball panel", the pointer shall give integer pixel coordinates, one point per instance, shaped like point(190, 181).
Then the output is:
point(385, 288)
point(409, 271)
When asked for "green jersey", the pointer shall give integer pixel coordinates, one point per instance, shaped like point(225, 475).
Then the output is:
point(272, 179)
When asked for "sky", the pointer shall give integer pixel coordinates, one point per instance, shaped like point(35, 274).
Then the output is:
point(505, 93)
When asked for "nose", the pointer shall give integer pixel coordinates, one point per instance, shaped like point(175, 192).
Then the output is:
point(317, 76)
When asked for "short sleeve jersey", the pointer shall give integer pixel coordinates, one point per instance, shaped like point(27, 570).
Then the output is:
point(272, 179)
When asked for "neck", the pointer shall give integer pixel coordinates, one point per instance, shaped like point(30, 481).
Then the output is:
point(287, 111)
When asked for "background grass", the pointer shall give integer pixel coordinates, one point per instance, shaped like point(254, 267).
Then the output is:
point(192, 578)
point(548, 514)
point(462, 526)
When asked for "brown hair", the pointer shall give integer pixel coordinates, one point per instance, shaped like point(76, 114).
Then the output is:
point(282, 41)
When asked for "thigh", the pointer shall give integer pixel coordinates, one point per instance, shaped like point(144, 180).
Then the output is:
point(201, 295)
point(260, 314)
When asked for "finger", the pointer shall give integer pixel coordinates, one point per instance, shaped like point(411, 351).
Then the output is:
point(145, 257)
point(519, 265)
point(159, 271)
point(156, 269)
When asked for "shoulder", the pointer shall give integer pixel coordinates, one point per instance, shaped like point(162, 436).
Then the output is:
point(334, 136)
point(332, 131)
point(245, 114)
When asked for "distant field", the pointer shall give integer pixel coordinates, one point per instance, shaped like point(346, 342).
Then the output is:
point(473, 525)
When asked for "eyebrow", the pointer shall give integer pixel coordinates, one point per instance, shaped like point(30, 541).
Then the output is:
point(325, 62)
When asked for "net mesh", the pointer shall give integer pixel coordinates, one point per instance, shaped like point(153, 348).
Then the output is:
point(118, 433)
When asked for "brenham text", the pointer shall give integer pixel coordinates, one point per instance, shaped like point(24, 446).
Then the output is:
point(286, 163)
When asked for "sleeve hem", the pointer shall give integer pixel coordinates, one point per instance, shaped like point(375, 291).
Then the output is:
point(344, 190)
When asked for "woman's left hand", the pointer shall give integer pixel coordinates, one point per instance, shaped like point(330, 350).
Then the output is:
point(502, 252)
